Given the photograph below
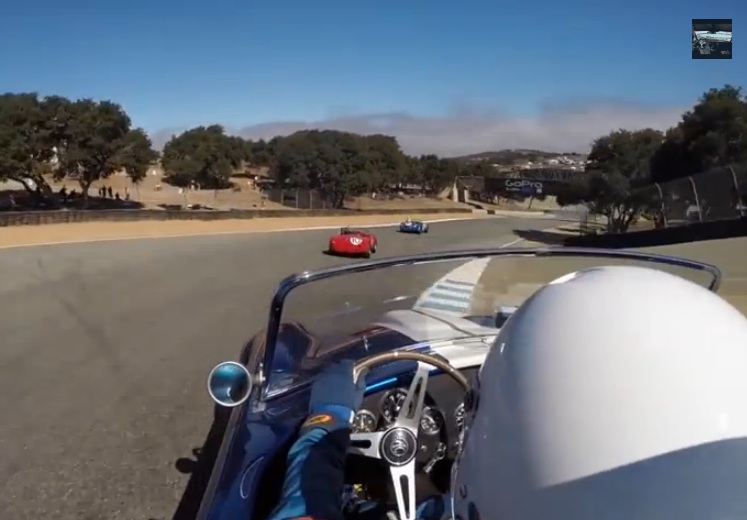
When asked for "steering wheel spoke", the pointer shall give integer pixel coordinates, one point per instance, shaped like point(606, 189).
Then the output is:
point(398, 444)
point(412, 407)
point(366, 444)
point(403, 480)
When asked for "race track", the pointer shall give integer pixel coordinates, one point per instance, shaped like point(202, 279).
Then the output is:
point(106, 347)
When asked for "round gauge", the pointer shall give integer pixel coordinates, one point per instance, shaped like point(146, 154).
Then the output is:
point(392, 404)
point(364, 422)
point(431, 421)
point(459, 416)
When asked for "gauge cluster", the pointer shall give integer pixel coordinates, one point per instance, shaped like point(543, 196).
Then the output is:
point(441, 428)
point(391, 402)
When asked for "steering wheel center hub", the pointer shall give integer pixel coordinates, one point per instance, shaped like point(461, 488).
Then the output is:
point(399, 446)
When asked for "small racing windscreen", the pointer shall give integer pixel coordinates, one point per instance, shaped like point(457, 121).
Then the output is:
point(351, 316)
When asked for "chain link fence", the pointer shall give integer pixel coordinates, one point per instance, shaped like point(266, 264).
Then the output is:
point(717, 194)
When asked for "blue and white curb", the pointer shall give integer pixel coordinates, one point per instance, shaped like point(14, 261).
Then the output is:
point(453, 293)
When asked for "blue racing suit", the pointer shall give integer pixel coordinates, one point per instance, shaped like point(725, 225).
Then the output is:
point(314, 479)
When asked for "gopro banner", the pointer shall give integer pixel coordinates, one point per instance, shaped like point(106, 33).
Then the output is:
point(524, 186)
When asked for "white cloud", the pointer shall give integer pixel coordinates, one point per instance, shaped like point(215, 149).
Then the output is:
point(567, 127)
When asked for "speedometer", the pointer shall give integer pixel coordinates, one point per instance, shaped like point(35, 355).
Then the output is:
point(431, 421)
point(392, 404)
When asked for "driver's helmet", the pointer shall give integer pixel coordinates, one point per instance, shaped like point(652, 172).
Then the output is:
point(612, 393)
point(409, 220)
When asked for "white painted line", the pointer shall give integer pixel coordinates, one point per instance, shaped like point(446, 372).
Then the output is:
point(453, 288)
point(213, 233)
point(452, 293)
point(512, 243)
point(461, 298)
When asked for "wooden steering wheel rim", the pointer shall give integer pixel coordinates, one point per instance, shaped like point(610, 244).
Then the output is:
point(405, 355)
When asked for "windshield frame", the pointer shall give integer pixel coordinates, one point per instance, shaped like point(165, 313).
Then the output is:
point(288, 284)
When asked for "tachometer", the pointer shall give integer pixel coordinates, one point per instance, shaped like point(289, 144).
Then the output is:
point(364, 422)
point(392, 404)
point(431, 421)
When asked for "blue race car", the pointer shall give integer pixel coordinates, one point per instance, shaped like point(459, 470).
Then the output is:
point(413, 226)
point(262, 399)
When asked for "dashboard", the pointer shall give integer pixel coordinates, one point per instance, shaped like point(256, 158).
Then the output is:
point(443, 412)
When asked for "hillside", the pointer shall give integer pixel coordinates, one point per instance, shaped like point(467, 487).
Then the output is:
point(508, 157)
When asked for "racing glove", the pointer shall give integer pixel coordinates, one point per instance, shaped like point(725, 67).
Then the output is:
point(335, 396)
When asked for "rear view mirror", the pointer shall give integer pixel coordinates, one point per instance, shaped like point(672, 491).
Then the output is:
point(229, 384)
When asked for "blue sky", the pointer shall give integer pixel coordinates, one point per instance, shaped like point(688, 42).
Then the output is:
point(427, 71)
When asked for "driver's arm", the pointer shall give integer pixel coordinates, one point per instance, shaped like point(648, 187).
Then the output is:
point(315, 475)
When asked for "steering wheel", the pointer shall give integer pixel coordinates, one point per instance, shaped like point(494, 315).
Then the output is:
point(398, 444)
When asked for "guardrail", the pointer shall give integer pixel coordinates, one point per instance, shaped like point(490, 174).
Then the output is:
point(34, 218)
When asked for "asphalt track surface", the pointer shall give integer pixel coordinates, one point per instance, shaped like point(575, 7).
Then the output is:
point(106, 347)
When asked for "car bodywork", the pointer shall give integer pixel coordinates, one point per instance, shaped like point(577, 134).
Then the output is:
point(413, 226)
point(256, 433)
point(354, 242)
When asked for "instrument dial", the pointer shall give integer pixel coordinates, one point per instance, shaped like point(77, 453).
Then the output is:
point(364, 422)
point(459, 416)
point(392, 404)
point(431, 421)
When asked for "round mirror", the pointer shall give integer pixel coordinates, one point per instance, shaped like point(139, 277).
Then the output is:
point(229, 384)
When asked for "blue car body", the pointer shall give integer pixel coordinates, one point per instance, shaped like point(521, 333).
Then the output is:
point(253, 441)
point(414, 226)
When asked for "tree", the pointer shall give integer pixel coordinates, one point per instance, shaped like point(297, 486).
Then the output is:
point(203, 155)
point(260, 153)
point(137, 154)
point(713, 133)
point(619, 167)
point(27, 139)
point(95, 141)
point(337, 164)
point(386, 162)
point(435, 173)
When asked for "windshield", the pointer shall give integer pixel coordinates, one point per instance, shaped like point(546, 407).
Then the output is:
point(432, 302)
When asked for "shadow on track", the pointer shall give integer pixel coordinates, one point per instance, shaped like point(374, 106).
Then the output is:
point(551, 238)
point(200, 467)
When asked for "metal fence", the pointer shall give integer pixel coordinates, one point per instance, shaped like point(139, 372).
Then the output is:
point(297, 198)
point(714, 195)
point(717, 194)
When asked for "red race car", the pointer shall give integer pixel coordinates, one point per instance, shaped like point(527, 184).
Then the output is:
point(352, 242)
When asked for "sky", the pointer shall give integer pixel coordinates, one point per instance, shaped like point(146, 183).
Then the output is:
point(450, 78)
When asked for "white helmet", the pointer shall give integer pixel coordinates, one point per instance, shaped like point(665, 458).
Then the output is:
point(611, 393)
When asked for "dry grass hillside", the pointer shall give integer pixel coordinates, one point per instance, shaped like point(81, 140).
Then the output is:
point(153, 193)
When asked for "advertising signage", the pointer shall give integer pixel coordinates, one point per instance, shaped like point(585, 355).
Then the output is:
point(521, 187)
point(524, 186)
